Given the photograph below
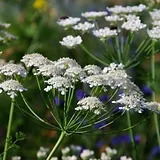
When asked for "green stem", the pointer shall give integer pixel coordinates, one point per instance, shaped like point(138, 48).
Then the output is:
point(153, 92)
point(8, 130)
point(93, 56)
point(132, 137)
point(56, 145)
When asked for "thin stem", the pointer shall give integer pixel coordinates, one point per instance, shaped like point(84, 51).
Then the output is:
point(153, 92)
point(56, 145)
point(93, 56)
point(8, 130)
point(132, 137)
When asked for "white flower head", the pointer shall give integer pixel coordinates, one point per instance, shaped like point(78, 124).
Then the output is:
point(118, 9)
point(84, 26)
point(42, 152)
point(65, 151)
point(49, 70)
point(69, 21)
point(131, 98)
point(155, 14)
point(54, 158)
point(125, 158)
point(114, 18)
point(93, 14)
point(154, 33)
point(10, 69)
point(95, 80)
point(11, 87)
point(65, 63)
point(35, 60)
point(70, 41)
point(90, 103)
point(110, 152)
point(104, 156)
point(4, 25)
point(59, 83)
point(16, 158)
point(2, 62)
point(156, 23)
point(153, 106)
point(134, 24)
point(105, 33)
point(75, 74)
point(86, 154)
point(92, 70)
point(73, 157)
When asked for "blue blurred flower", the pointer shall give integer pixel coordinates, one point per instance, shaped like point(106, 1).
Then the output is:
point(124, 139)
point(100, 124)
point(58, 101)
point(100, 143)
point(103, 98)
point(146, 90)
point(80, 94)
point(155, 152)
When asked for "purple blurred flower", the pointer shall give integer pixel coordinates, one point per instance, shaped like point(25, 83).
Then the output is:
point(100, 124)
point(100, 143)
point(146, 90)
point(155, 152)
point(80, 94)
point(103, 98)
point(58, 101)
point(124, 139)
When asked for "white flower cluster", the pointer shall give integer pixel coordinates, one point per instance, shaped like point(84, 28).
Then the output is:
point(155, 14)
point(113, 76)
point(105, 33)
point(59, 83)
point(128, 9)
point(10, 69)
point(84, 26)
point(42, 152)
point(90, 103)
point(114, 18)
point(75, 74)
point(125, 158)
point(49, 70)
point(4, 25)
point(108, 154)
point(156, 23)
point(65, 151)
point(92, 69)
point(153, 106)
point(93, 14)
point(86, 154)
point(154, 33)
point(35, 60)
point(68, 21)
point(70, 41)
point(131, 98)
point(73, 157)
point(133, 23)
point(54, 158)
point(11, 87)
point(2, 62)
point(16, 158)
point(65, 63)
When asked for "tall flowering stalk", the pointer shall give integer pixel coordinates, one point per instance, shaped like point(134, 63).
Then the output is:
point(121, 20)
point(154, 34)
point(60, 79)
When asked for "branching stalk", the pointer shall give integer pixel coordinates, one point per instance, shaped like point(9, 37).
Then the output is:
point(8, 129)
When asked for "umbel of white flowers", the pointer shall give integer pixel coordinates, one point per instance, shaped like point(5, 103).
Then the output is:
point(64, 73)
point(79, 153)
